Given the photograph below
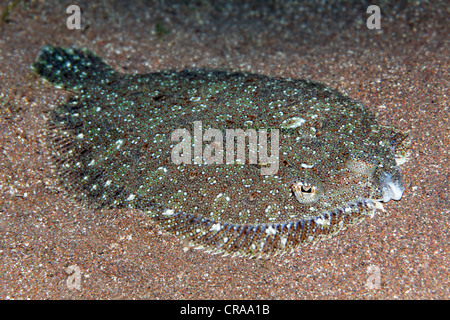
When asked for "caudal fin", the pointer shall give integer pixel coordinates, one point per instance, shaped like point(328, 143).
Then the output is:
point(69, 68)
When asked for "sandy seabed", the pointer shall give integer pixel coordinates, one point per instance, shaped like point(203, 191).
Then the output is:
point(400, 72)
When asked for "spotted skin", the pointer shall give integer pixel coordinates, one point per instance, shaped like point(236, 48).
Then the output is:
point(112, 145)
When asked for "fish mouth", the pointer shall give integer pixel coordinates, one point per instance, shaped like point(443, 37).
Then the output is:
point(391, 187)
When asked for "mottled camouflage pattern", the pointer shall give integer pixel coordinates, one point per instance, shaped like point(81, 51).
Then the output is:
point(112, 148)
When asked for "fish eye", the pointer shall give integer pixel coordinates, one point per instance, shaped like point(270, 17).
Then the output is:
point(306, 192)
point(307, 189)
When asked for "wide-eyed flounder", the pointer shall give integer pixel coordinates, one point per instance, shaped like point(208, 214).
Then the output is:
point(165, 143)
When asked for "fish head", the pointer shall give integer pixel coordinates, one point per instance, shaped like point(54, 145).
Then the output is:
point(339, 170)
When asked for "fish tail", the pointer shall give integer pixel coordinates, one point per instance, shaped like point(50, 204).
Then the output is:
point(70, 69)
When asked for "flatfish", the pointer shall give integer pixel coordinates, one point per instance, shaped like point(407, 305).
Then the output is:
point(232, 162)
